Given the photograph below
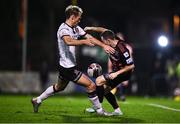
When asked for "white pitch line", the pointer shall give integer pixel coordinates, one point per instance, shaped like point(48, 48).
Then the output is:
point(164, 107)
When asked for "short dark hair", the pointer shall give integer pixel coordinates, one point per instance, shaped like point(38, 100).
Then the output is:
point(108, 34)
point(72, 10)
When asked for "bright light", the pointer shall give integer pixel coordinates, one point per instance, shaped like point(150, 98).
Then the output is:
point(163, 41)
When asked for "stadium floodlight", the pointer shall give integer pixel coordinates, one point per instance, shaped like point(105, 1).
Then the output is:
point(163, 41)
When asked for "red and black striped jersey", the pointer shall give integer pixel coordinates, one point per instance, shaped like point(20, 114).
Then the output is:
point(121, 57)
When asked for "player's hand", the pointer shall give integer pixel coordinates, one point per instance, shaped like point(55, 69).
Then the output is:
point(112, 76)
point(108, 49)
point(87, 29)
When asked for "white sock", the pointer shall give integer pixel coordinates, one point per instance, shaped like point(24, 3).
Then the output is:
point(95, 102)
point(117, 110)
point(48, 92)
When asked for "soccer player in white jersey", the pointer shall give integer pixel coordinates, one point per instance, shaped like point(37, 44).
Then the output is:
point(67, 35)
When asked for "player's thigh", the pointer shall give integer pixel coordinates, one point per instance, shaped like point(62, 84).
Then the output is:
point(85, 81)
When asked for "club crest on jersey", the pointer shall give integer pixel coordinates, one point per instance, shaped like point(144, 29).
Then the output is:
point(126, 54)
point(76, 30)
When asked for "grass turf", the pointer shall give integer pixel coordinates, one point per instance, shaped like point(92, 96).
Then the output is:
point(70, 109)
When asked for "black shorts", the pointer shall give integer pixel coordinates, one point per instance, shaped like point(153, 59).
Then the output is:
point(119, 79)
point(69, 74)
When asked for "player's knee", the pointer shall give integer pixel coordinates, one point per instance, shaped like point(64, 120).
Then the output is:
point(91, 87)
point(58, 87)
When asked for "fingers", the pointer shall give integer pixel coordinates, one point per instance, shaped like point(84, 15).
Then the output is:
point(87, 28)
point(110, 50)
point(112, 76)
point(91, 41)
point(91, 44)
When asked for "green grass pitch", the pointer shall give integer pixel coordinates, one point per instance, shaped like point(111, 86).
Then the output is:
point(70, 109)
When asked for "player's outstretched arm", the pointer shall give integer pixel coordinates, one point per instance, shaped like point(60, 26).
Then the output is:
point(109, 66)
point(123, 70)
point(96, 29)
point(107, 49)
point(73, 42)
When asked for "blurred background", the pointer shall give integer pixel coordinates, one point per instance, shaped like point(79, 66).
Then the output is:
point(29, 54)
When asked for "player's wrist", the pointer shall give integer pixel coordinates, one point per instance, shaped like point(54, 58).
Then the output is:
point(103, 46)
point(84, 42)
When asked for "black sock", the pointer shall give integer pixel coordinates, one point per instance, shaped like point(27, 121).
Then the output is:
point(100, 93)
point(112, 100)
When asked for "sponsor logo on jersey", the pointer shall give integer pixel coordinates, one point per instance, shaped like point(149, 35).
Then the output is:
point(129, 60)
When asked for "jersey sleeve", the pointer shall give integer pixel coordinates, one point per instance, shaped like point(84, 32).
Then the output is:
point(64, 32)
point(81, 31)
point(127, 59)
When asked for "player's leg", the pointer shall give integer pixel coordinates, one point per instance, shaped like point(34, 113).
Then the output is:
point(102, 80)
point(100, 93)
point(112, 100)
point(104, 90)
point(91, 90)
point(60, 86)
point(114, 83)
point(122, 88)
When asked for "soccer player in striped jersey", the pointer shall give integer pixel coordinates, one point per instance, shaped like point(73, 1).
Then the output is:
point(68, 38)
point(120, 67)
point(120, 89)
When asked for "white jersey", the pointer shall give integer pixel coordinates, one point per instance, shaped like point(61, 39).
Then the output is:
point(67, 53)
